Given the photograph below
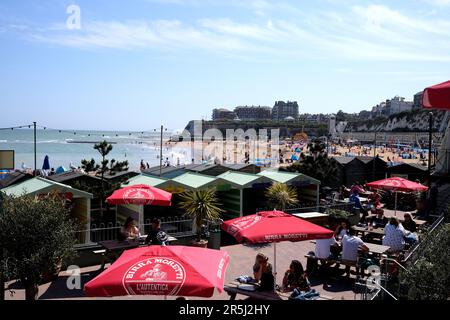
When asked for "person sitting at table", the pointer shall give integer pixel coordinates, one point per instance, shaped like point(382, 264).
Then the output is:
point(350, 246)
point(410, 229)
point(379, 220)
point(342, 230)
point(152, 237)
point(327, 251)
point(394, 235)
point(295, 278)
point(262, 272)
point(354, 198)
point(357, 187)
point(129, 230)
point(374, 200)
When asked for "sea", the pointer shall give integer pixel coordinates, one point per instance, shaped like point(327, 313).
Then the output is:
point(66, 147)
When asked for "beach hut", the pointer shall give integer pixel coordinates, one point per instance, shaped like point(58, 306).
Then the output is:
point(307, 187)
point(410, 171)
point(359, 169)
point(243, 167)
point(208, 169)
point(241, 192)
point(189, 181)
point(13, 178)
point(166, 172)
point(81, 200)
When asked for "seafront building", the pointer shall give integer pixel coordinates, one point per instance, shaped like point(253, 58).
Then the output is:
point(253, 113)
point(282, 110)
point(223, 114)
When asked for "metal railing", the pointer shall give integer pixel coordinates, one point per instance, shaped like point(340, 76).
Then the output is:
point(175, 226)
point(347, 207)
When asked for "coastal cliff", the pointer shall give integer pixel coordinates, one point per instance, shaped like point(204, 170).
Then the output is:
point(412, 121)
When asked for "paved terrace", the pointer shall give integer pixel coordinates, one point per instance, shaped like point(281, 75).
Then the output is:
point(241, 262)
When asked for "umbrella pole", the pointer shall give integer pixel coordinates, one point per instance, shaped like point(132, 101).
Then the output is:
point(395, 206)
point(274, 265)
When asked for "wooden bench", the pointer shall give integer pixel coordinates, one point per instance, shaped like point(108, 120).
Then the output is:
point(233, 290)
point(340, 261)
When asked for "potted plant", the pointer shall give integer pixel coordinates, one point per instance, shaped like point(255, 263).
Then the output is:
point(281, 196)
point(36, 234)
point(203, 207)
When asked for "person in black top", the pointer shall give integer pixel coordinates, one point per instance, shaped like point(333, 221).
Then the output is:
point(379, 220)
point(295, 278)
point(408, 223)
point(262, 273)
point(152, 237)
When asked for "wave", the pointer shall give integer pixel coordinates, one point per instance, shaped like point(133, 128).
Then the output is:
point(50, 141)
point(3, 141)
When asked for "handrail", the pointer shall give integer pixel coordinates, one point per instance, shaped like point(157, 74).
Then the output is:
point(432, 228)
point(395, 261)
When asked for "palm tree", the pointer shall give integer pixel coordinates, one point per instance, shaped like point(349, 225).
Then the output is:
point(201, 205)
point(281, 196)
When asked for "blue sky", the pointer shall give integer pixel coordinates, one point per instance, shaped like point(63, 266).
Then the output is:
point(137, 64)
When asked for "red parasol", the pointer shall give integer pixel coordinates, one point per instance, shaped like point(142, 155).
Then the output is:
point(141, 194)
point(274, 226)
point(437, 97)
point(397, 184)
point(162, 270)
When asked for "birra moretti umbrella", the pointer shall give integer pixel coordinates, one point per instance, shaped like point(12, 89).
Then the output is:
point(274, 226)
point(140, 194)
point(397, 184)
point(162, 270)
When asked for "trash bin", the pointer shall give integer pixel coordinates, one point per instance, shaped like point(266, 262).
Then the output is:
point(214, 240)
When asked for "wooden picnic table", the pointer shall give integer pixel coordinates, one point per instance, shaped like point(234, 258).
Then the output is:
point(313, 217)
point(378, 232)
point(374, 248)
point(233, 290)
point(377, 249)
point(419, 222)
point(361, 199)
point(114, 248)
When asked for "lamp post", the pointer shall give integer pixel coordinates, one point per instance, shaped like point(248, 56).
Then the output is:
point(35, 151)
point(374, 154)
point(160, 150)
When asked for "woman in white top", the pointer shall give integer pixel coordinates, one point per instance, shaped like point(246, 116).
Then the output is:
point(341, 230)
point(394, 235)
point(129, 230)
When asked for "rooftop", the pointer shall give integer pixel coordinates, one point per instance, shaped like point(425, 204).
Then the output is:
point(241, 179)
point(41, 185)
point(285, 177)
point(144, 179)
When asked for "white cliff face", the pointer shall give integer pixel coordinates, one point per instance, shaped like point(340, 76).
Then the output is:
point(417, 121)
